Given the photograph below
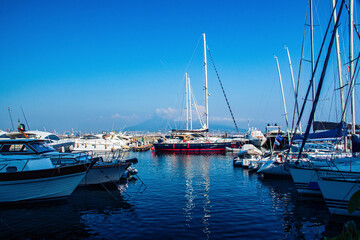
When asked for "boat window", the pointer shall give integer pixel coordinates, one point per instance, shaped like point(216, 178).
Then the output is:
point(15, 148)
point(89, 137)
point(11, 169)
point(52, 137)
point(41, 147)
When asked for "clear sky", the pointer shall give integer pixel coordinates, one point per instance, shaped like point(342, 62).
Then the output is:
point(98, 65)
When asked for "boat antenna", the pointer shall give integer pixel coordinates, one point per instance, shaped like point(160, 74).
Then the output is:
point(11, 119)
point(22, 110)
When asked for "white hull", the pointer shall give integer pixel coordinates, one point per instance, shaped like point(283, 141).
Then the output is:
point(306, 181)
point(337, 193)
point(97, 147)
point(272, 168)
point(228, 149)
point(257, 142)
point(104, 173)
point(37, 189)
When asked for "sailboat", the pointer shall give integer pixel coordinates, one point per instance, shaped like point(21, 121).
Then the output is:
point(194, 140)
point(339, 181)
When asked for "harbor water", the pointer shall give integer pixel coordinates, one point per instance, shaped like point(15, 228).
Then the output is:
point(178, 197)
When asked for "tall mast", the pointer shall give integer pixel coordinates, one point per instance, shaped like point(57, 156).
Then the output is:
point(190, 104)
point(293, 82)
point(187, 101)
point(206, 87)
point(339, 63)
point(312, 50)
point(339, 71)
point(283, 96)
point(351, 59)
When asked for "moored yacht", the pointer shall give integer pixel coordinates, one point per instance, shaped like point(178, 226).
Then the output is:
point(256, 137)
point(195, 141)
point(101, 172)
point(25, 175)
point(101, 142)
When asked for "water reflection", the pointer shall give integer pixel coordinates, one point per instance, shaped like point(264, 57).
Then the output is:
point(300, 216)
point(195, 170)
point(206, 207)
point(66, 219)
point(189, 191)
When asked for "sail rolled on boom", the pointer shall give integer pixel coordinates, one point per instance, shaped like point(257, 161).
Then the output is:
point(333, 134)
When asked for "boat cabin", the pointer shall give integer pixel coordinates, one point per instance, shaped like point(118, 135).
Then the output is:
point(24, 147)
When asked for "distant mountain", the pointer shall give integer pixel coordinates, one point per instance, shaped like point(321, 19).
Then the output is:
point(156, 124)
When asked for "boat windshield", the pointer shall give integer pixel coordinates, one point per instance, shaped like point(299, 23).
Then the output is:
point(15, 149)
point(41, 147)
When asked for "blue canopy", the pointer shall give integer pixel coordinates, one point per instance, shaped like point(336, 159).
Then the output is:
point(333, 134)
point(355, 140)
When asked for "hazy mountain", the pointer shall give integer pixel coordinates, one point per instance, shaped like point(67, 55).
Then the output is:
point(156, 124)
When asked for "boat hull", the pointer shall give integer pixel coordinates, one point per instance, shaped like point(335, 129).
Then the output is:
point(305, 181)
point(191, 147)
point(104, 173)
point(41, 184)
point(274, 169)
point(337, 201)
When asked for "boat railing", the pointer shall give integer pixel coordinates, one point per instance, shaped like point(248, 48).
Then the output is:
point(71, 158)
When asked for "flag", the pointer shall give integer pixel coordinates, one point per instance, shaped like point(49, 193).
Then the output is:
point(278, 139)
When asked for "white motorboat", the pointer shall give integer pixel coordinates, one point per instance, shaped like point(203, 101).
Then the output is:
point(247, 154)
point(26, 176)
point(107, 172)
point(110, 170)
point(60, 145)
point(256, 137)
point(101, 142)
point(275, 167)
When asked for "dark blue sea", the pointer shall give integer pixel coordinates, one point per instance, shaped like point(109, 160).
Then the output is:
point(177, 197)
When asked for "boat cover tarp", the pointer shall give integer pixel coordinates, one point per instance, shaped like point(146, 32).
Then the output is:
point(336, 133)
point(321, 126)
point(355, 140)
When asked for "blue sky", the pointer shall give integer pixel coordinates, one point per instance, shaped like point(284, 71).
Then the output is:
point(98, 65)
